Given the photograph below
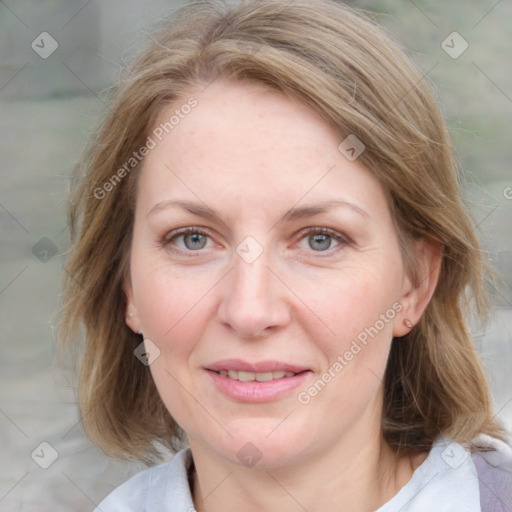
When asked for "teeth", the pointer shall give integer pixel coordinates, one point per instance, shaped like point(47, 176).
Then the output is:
point(262, 377)
point(246, 376)
point(251, 376)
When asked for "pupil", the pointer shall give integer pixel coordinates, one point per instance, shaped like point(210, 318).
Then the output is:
point(323, 240)
point(198, 241)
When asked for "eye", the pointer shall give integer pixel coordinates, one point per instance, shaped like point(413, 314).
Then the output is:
point(321, 239)
point(192, 239)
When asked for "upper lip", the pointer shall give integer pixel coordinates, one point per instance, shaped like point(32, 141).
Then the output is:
point(256, 367)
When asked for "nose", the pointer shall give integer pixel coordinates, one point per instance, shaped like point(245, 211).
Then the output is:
point(253, 302)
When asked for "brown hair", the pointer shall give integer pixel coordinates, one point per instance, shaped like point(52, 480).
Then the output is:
point(350, 72)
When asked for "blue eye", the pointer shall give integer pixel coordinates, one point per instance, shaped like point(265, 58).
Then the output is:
point(194, 239)
point(321, 239)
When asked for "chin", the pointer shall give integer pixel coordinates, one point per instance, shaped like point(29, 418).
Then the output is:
point(258, 443)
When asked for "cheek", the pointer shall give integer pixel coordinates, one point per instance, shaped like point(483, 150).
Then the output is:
point(173, 312)
point(170, 304)
point(350, 301)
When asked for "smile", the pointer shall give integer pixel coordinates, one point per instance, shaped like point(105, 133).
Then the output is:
point(253, 376)
point(256, 382)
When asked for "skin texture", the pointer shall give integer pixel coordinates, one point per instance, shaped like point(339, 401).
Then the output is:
point(251, 155)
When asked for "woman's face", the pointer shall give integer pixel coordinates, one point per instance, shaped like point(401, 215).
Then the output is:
point(266, 268)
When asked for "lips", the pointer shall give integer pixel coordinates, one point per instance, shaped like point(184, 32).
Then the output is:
point(256, 382)
point(238, 365)
point(259, 376)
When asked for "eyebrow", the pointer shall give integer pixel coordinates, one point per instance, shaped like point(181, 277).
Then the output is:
point(292, 214)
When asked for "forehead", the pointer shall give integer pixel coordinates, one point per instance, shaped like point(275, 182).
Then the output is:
point(243, 141)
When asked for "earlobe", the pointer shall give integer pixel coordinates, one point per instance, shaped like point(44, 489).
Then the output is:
point(131, 313)
point(418, 289)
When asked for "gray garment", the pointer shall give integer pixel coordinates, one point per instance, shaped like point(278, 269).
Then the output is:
point(448, 480)
point(495, 476)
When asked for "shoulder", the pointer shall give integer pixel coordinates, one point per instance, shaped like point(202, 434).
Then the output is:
point(155, 489)
point(493, 464)
point(448, 479)
point(493, 451)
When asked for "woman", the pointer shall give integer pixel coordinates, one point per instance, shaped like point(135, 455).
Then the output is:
point(271, 258)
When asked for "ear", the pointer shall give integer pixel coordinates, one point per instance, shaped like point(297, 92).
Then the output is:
point(131, 313)
point(418, 289)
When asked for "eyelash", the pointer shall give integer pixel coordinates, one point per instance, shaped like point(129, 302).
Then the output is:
point(341, 239)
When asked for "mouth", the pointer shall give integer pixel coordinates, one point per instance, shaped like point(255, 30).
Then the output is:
point(253, 376)
point(256, 382)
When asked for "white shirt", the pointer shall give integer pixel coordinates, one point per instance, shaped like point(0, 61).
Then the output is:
point(446, 481)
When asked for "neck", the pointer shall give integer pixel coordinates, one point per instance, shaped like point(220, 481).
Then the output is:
point(360, 473)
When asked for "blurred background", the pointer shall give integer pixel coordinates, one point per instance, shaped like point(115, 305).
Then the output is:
point(57, 58)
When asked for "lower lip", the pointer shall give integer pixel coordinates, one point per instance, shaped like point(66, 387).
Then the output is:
point(254, 391)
